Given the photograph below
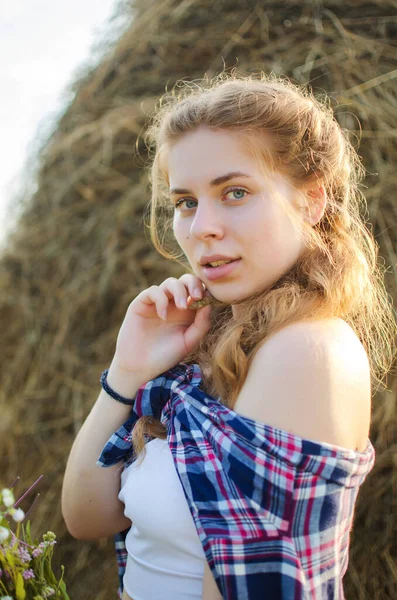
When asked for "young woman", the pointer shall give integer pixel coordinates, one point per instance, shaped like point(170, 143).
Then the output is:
point(251, 409)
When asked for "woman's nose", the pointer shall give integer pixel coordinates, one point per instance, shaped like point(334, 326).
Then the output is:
point(207, 222)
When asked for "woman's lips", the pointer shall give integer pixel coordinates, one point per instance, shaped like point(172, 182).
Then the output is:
point(212, 273)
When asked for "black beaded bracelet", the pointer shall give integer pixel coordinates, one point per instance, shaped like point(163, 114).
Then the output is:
point(111, 392)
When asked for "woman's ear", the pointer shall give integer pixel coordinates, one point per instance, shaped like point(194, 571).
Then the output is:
point(316, 204)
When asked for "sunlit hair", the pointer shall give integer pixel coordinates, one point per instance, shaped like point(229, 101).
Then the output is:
point(288, 131)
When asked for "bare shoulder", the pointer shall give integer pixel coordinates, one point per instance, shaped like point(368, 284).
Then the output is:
point(312, 379)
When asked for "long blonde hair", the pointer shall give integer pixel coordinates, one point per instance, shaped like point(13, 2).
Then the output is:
point(339, 275)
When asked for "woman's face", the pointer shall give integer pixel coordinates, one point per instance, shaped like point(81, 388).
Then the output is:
point(238, 218)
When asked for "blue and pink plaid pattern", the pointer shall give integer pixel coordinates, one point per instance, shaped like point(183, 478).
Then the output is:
point(273, 511)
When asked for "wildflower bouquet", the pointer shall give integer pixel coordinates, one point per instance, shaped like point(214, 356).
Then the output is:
point(25, 565)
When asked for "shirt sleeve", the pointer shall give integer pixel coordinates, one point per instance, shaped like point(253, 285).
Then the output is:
point(119, 446)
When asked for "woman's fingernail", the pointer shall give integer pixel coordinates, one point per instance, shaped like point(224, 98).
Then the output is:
point(197, 292)
point(163, 314)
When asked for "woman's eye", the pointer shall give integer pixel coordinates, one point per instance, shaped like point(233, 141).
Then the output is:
point(183, 200)
point(237, 191)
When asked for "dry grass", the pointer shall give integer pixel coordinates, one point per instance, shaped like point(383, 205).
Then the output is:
point(79, 253)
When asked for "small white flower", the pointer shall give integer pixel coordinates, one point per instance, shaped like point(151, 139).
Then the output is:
point(8, 497)
point(4, 534)
point(6, 598)
point(18, 515)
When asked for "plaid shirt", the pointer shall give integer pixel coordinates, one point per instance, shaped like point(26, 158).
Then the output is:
point(273, 511)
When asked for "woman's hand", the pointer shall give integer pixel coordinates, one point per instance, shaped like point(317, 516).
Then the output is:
point(159, 330)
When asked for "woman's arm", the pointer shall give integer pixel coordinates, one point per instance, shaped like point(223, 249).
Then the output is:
point(210, 589)
point(90, 506)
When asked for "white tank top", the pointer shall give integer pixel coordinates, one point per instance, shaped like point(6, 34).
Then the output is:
point(165, 556)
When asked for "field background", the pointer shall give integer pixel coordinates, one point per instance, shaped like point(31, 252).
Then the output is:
point(79, 253)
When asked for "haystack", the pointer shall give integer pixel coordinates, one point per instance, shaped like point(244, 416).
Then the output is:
point(79, 253)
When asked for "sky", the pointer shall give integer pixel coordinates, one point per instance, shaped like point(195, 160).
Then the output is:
point(42, 44)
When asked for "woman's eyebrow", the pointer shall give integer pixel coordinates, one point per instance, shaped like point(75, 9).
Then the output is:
point(214, 182)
